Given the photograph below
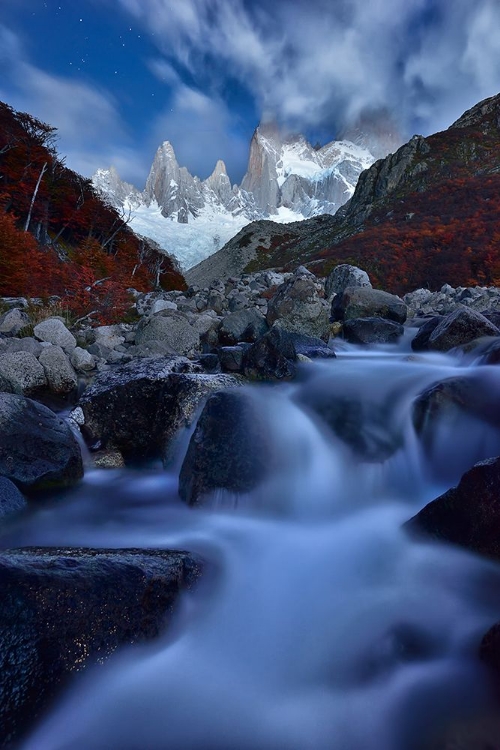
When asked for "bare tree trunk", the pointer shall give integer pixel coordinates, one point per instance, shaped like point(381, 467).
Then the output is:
point(34, 196)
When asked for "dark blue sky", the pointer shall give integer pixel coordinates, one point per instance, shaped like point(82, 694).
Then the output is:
point(117, 77)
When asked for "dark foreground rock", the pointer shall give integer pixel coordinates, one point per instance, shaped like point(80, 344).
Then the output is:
point(11, 500)
point(228, 450)
point(64, 609)
point(38, 451)
point(138, 408)
point(467, 515)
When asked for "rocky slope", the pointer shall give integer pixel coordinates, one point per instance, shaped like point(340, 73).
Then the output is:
point(423, 216)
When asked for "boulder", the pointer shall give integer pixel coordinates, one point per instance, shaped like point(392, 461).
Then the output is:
point(62, 610)
point(27, 344)
point(108, 336)
point(467, 515)
point(372, 331)
point(272, 357)
point(299, 306)
point(22, 373)
point(460, 327)
point(59, 372)
point(170, 327)
point(231, 358)
point(11, 500)
point(420, 341)
point(55, 332)
point(363, 302)
point(244, 325)
point(82, 360)
point(38, 450)
point(13, 321)
point(228, 450)
point(343, 276)
point(138, 408)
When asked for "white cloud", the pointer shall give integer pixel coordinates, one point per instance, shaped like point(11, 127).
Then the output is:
point(325, 61)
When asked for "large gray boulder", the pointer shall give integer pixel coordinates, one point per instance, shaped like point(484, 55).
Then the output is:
point(458, 328)
point(172, 328)
point(26, 344)
point(363, 302)
point(138, 408)
point(38, 451)
point(55, 332)
point(61, 377)
point(372, 331)
point(22, 373)
point(299, 306)
point(62, 610)
point(343, 276)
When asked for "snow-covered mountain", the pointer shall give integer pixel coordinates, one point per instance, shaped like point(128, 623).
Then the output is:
point(286, 180)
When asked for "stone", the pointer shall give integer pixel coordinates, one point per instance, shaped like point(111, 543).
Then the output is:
point(27, 344)
point(420, 341)
point(272, 357)
point(62, 610)
point(372, 331)
point(343, 276)
point(23, 373)
point(298, 306)
point(55, 332)
point(460, 327)
point(38, 450)
point(162, 304)
point(244, 325)
point(363, 302)
point(140, 407)
point(109, 336)
point(231, 358)
point(467, 515)
point(59, 372)
point(13, 321)
point(172, 328)
point(11, 500)
point(82, 360)
point(228, 450)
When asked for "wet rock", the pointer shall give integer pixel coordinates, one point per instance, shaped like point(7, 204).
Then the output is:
point(61, 377)
point(343, 276)
point(22, 373)
point(299, 306)
point(38, 451)
point(363, 302)
point(458, 328)
point(11, 500)
point(467, 515)
point(420, 342)
point(55, 332)
point(170, 327)
point(62, 610)
point(244, 325)
point(228, 450)
point(372, 331)
point(231, 358)
point(138, 408)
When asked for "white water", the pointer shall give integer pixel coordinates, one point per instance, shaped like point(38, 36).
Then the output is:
point(319, 624)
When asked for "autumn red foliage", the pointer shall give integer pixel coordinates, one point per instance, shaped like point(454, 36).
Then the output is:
point(59, 237)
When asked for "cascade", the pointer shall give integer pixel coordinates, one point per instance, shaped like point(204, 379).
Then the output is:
point(319, 622)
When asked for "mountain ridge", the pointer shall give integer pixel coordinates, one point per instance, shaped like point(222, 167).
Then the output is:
point(423, 216)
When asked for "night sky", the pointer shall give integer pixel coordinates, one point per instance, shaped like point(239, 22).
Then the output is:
point(118, 77)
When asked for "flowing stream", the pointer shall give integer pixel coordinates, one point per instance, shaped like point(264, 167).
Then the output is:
point(319, 623)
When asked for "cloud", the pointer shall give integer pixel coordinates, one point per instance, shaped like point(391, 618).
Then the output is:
point(322, 62)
